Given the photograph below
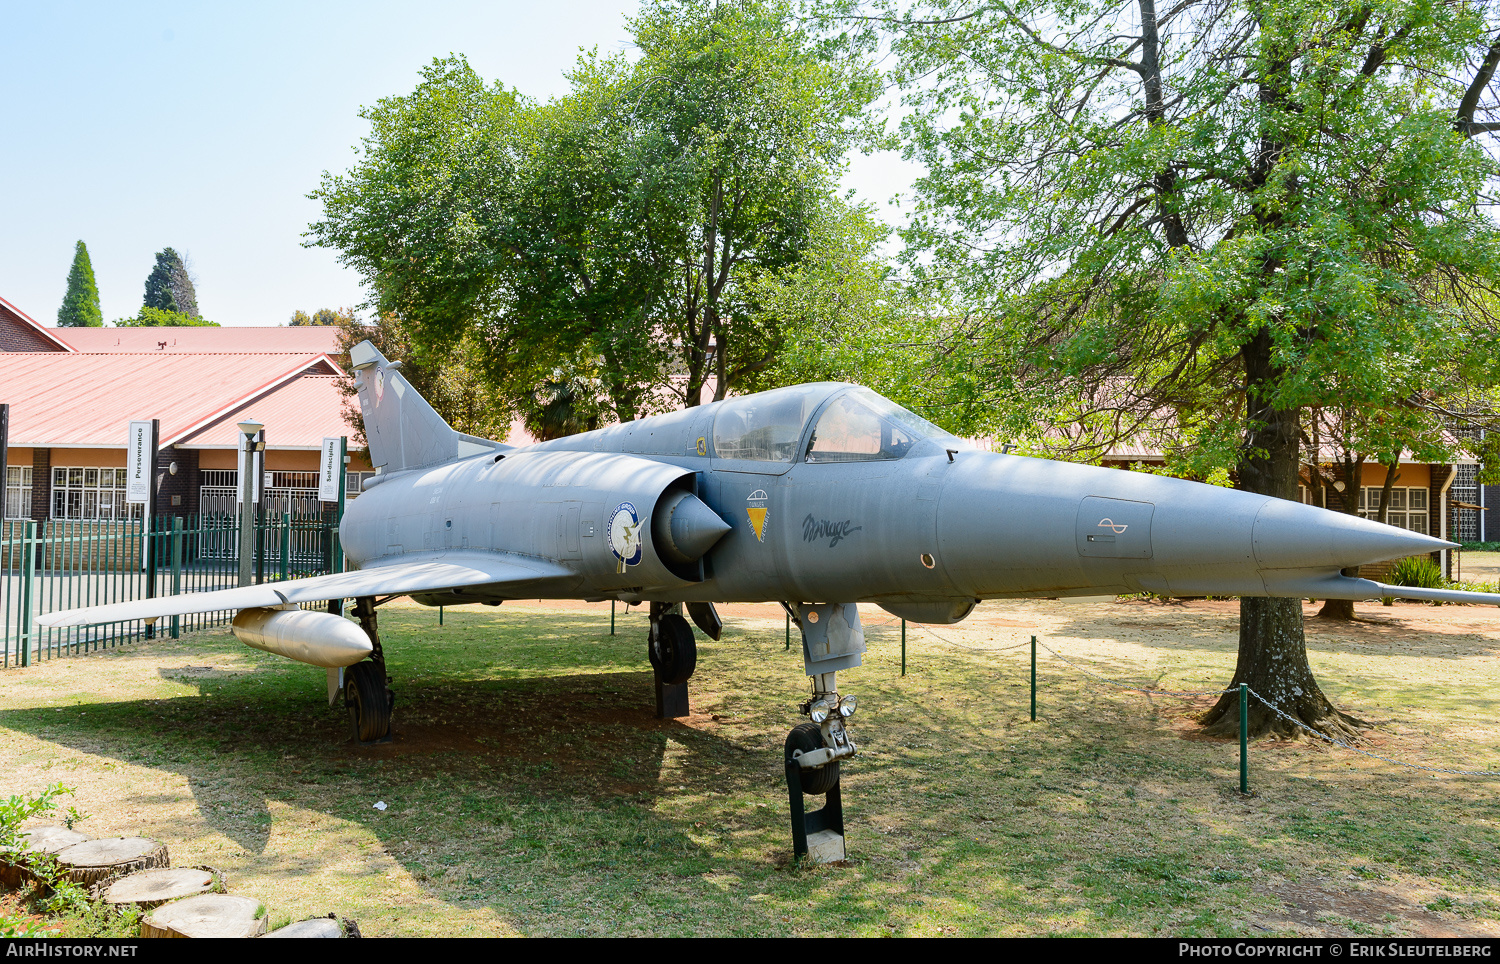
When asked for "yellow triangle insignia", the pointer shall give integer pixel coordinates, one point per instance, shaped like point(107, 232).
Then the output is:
point(757, 521)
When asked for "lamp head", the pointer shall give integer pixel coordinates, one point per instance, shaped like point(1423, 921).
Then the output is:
point(251, 427)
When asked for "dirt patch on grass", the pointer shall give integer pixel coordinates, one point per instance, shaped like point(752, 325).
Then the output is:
point(1342, 910)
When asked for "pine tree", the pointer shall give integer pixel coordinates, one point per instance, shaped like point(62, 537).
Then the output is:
point(169, 288)
point(80, 307)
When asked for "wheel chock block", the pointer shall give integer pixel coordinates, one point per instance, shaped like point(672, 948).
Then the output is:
point(825, 847)
point(671, 700)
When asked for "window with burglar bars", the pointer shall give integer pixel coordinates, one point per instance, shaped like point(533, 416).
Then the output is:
point(1465, 488)
point(90, 493)
point(1408, 506)
point(18, 492)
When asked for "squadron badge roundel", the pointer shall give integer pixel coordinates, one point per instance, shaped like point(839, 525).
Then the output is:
point(625, 536)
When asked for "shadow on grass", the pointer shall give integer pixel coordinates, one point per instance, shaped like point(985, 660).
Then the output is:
point(528, 776)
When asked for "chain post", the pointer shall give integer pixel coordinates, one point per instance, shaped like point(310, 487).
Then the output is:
point(611, 617)
point(1244, 739)
point(1033, 679)
point(903, 647)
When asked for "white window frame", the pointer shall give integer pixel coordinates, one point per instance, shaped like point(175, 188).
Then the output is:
point(1402, 513)
point(78, 492)
point(17, 491)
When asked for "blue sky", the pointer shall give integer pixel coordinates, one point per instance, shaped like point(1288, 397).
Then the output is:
point(203, 127)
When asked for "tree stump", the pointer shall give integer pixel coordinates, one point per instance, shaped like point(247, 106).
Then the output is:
point(207, 915)
point(148, 889)
point(42, 840)
point(92, 861)
point(316, 927)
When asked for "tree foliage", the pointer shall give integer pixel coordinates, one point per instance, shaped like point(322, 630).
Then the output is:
point(322, 317)
point(80, 306)
point(614, 239)
point(1208, 217)
point(169, 287)
point(158, 318)
point(450, 381)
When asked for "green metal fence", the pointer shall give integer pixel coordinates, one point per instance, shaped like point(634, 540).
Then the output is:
point(60, 564)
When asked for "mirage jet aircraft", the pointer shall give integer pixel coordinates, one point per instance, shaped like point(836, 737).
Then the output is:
point(817, 497)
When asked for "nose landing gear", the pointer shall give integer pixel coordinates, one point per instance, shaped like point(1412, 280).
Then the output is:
point(832, 639)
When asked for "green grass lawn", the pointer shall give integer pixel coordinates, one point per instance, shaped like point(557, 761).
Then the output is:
point(530, 791)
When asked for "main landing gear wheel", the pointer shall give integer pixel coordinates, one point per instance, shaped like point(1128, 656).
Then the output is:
point(674, 652)
point(806, 737)
point(368, 701)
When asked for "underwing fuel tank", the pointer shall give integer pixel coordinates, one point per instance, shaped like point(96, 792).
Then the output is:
point(321, 639)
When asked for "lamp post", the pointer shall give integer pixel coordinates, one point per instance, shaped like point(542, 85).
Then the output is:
point(248, 430)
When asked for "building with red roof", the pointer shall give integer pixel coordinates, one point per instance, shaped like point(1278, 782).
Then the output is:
point(73, 391)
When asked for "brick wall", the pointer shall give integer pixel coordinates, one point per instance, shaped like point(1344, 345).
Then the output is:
point(41, 483)
point(184, 485)
point(17, 335)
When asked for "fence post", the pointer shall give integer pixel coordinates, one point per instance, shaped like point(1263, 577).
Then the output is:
point(903, 647)
point(1244, 739)
point(1033, 679)
point(286, 545)
point(611, 617)
point(28, 580)
point(440, 615)
point(176, 570)
point(148, 543)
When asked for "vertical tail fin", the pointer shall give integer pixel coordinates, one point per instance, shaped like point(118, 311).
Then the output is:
point(403, 431)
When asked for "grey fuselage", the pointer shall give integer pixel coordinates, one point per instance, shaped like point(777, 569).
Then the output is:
point(925, 534)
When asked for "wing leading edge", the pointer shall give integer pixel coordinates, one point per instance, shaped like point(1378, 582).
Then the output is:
point(451, 571)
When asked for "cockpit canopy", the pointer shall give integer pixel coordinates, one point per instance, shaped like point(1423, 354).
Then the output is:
point(856, 425)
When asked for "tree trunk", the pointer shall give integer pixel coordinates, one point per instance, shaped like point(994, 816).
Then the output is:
point(1273, 651)
point(1342, 610)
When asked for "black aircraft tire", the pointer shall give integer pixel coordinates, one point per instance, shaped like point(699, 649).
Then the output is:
point(675, 654)
point(364, 694)
point(808, 737)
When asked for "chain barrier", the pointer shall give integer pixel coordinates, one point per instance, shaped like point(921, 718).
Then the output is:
point(1139, 689)
point(1274, 709)
point(1324, 736)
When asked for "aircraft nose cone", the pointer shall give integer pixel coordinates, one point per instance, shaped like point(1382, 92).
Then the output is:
point(1289, 535)
point(685, 528)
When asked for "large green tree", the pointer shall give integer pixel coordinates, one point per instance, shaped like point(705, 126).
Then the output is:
point(610, 241)
point(80, 306)
point(169, 287)
point(451, 382)
point(1213, 214)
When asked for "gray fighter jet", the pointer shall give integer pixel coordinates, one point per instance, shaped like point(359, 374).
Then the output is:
point(817, 496)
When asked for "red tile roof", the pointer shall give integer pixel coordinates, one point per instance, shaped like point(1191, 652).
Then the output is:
point(85, 400)
point(295, 339)
point(297, 415)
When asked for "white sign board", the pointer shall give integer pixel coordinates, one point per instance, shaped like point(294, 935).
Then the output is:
point(258, 460)
point(330, 469)
point(138, 463)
